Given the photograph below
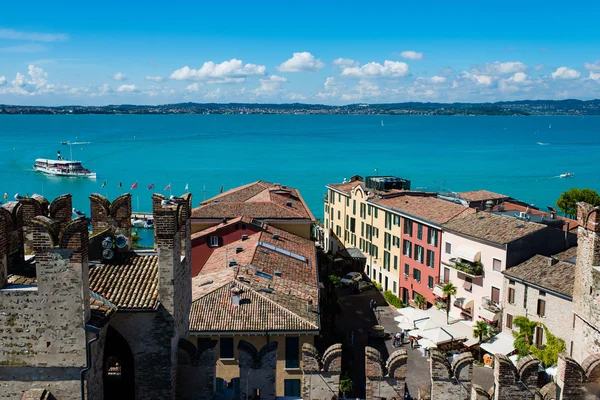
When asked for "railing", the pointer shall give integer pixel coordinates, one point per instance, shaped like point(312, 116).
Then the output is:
point(490, 305)
point(472, 269)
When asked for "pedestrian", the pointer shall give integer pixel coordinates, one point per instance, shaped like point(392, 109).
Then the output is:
point(371, 303)
point(394, 341)
point(374, 306)
point(401, 337)
point(412, 342)
point(398, 339)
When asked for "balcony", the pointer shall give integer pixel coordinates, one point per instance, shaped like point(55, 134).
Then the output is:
point(490, 311)
point(326, 198)
point(472, 269)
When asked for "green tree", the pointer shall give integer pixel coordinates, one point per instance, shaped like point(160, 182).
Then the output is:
point(448, 290)
point(482, 331)
point(346, 384)
point(420, 301)
point(548, 354)
point(523, 338)
point(567, 202)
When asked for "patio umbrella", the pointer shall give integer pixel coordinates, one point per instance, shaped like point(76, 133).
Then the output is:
point(426, 343)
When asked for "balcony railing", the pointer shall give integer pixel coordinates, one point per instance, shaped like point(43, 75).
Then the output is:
point(474, 269)
point(490, 305)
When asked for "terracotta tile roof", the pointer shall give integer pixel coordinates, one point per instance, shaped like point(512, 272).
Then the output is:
point(567, 254)
point(346, 187)
point(493, 228)
point(131, 283)
point(481, 195)
point(260, 199)
point(101, 310)
point(559, 277)
point(426, 207)
point(508, 206)
point(23, 274)
point(281, 307)
point(221, 225)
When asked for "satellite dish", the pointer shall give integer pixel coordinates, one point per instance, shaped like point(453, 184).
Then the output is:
point(107, 243)
point(121, 241)
point(108, 254)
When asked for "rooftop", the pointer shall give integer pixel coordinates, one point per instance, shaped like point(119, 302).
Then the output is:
point(425, 207)
point(129, 283)
point(493, 228)
point(260, 199)
point(481, 195)
point(269, 302)
point(538, 270)
point(513, 209)
point(569, 255)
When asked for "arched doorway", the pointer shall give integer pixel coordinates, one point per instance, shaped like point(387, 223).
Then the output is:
point(119, 376)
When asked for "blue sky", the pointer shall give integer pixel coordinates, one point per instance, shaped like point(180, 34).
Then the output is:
point(151, 52)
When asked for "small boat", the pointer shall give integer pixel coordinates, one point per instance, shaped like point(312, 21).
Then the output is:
point(567, 175)
point(78, 213)
point(65, 143)
point(542, 144)
point(149, 224)
point(137, 223)
point(550, 126)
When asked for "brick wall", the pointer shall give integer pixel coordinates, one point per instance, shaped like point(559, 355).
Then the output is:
point(321, 376)
point(451, 380)
point(197, 371)
point(385, 380)
point(115, 216)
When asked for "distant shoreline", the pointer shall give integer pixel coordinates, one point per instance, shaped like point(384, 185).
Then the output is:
point(515, 108)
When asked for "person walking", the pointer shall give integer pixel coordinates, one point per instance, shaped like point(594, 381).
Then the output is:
point(374, 306)
point(397, 339)
point(401, 337)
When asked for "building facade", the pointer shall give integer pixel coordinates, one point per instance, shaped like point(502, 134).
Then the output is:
point(398, 231)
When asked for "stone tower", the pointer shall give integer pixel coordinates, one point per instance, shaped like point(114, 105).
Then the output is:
point(586, 291)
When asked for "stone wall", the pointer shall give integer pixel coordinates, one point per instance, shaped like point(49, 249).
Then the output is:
point(451, 380)
point(321, 378)
point(385, 380)
point(60, 210)
point(586, 292)
point(115, 216)
point(197, 371)
point(258, 369)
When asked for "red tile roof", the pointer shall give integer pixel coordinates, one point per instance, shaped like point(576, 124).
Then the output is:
point(425, 207)
point(481, 195)
point(508, 206)
point(538, 270)
point(494, 228)
point(272, 302)
point(260, 199)
point(131, 283)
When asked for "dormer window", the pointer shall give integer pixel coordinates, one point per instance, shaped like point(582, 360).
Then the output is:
point(215, 241)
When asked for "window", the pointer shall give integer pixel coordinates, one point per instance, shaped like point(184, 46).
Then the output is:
point(375, 211)
point(417, 275)
point(406, 270)
point(541, 308)
point(542, 293)
point(397, 220)
point(369, 210)
point(394, 285)
point(376, 232)
point(419, 231)
point(291, 387)
point(362, 229)
point(332, 197)
point(414, 294)
point(419, 253)
point(511, 295)
point(396, 241)
point(386, 260)
point(388, 220)
point(407, 227)
point(511, 282)
point(406, 248)
point(509, 321)
point(497, 265)
point(387, 240)
point(446, 275)
point(226, 348)
point(354, 207)
point(339, 214)
point(432, 236)
point(353, 225)
point(448, 248)
point(468, 284)
point(347, 201)
point(292, 350)
point(430, 282)
point(430, 259)
point(363, 213)
point(215, 241)
point(395, 262)
point(539, 336)
point(495, 295)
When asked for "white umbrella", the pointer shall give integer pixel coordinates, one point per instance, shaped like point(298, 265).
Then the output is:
point(428, 323)
point(415, 333)
point(426, 343)
point(406, 326)
point(437, 335)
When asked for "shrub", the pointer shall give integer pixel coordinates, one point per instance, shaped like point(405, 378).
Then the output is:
point(392, 299)
point(335, 280)
point(377, 285)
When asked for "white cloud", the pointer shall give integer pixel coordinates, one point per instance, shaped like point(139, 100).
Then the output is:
point(11, 34)
point(301, 62)
point(154, 78)
point(24, 48)
point(127, 89)
point(345, 62)
point(565, 73)
point(595, 76)
point(364, 90)
point(483, 80)
point(433, 79)
point(595, 66)
point(119, 76)
point(331, 88)
point(102, 90)
point(389, 69)
point(214, 95)
point(2, 80)
point(19, 80)
point(193, 87)
point(295, 96)
point(411, 55)
point(270, 85)
point(232, 71)
point(519, 77)
point(500, 68)
point(39, 77)
point(539, 67)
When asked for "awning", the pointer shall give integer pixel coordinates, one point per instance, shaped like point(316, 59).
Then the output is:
point(468, 254)
point(467, 285)
point(426, 343)
point(429, 323)
point(502, 343)
point(438, 336)
point(463, 303)
point(404, 323)
point(488, 316)
point(415, 333)
point(437, 292)
point(460, 330)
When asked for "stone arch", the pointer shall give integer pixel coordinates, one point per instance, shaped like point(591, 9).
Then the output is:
point(479, 393)
point(440, 367)
point(44, 203)
point(61, 208)
point(118, 367)
point(332, 359)
point(528, 369)
point(462, 366)
point(120, 208)
point(74, 235)
point(7, 219)
point(505, 372)
point(102, 204)
point(550, 391)
point(591, 368)
point(48, 232)
point(32, 208)
point(374, 364)
point(397, 364)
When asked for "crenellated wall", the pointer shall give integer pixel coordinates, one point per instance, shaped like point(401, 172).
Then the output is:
point(197, 371)
point(321, 378)
point(60, 210)
point(451, 380)
point(114, 217)
point(385, 380)
point(258, 369)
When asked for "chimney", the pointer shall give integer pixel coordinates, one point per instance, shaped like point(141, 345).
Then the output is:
point(552, 261)
point(239, 249)
point(235, 296)
point(276, 236)
point(244, 237)
point(288, 203)
point(309, 304)
point(277, 273)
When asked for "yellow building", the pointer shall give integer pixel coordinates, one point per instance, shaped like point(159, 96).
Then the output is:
point(257, 293)
point(278, 205)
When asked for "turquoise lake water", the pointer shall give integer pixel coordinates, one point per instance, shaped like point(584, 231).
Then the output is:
point(500, 154)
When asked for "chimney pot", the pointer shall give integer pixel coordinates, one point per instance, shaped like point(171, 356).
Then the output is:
point(552, 261)
point(235, 296)
point(275, 236)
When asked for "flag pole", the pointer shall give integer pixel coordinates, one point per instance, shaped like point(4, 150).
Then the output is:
point(204, 191)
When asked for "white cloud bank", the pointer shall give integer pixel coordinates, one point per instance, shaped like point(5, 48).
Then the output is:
point(411, 55)
point(565, 73)
point(232, 71)
point(301, 62)
point(389, 69)
point(270, 85)
point(127, 89)
point(595, 66)
point(345, 63)
point(499, 68)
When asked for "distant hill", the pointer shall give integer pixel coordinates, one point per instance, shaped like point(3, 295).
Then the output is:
point(525, 107)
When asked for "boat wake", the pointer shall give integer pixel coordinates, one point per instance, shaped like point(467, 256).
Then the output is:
point(68, 143)
point(543, 144)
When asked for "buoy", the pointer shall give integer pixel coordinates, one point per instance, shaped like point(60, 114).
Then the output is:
point(15, 148)
point(134, 137)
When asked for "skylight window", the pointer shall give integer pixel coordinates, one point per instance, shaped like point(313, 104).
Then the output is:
point(282, 251)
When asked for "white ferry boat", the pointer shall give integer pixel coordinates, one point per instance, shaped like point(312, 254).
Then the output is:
point(62, 167)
